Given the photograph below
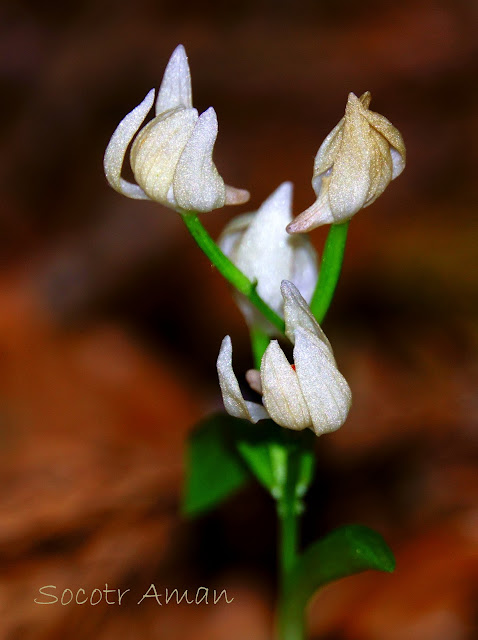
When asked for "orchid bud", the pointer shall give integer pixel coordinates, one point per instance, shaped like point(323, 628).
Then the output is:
point(311, 393)
point(260, 247)
point(354, 165)
point(171, 157)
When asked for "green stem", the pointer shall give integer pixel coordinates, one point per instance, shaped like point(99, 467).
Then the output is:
point(330, 268)
point(291, 620)
point(287, 543)
point(259, 343)
point(229, 270)
point(288, 508)
point(291, 623)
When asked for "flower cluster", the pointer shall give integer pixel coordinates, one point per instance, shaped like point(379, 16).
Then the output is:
point(311, 393)
point(171, 157)
point(171, 160)
point(354, 165)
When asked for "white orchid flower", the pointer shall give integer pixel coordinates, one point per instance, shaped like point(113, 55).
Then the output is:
point(171, 157)
point(258, 244)
point(354, 165)
point(311, 393)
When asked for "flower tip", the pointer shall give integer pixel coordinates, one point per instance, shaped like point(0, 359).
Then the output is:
point(284, 192)
point(209, 116)
point(287, 287)
point(353, 103)
point(225, 350)
point(278, 206)
point(236, 196)
point(178, 60)
point(179, 52)
point(302, 224)
point(291, 296)
point(366, 99)
point(207, 123)
point(149, 98)
point(286, 187)
point(175, 90)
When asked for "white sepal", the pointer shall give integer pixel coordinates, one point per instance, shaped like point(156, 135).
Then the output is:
point(157, 149)
point(233, 400)
point(197, 184)
point(260, 247)
point(282, 395)
point(326, 392)
point(117, 146)
point(297, 315)
point(264, 253)
point(175, 90)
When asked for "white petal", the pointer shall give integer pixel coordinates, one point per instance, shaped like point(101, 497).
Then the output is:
point(325, 390)
point(236, 196)
point(256, 412)
point(232, 233)
point(297, 315)
point(253, 377)
point(305, 270)
point(175, 90)
point(282, 395)
point(229, 242)
point(394, 138)
point(197, 184)
point(350, 178)
point(398, 161)
point(265, 252)
point(381, 167)
point(325, 156)
point(156, 151)
point(317, 214)
point(234, 402)
point(366, 99)
point(116, 149)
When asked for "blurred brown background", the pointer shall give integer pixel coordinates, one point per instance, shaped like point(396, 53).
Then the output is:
point(110, 319)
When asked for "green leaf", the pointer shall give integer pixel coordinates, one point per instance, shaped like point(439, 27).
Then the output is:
point(266, 448)
point(257, 444)
point(269, 450)
point(223, 452)
point(214, 467)
point(306, 465)
point(347, 550)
